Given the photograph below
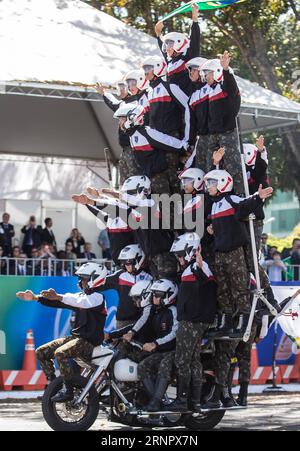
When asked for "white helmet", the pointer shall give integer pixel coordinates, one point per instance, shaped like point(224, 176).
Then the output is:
point(194, 176)
point(186, 246)
point(95, 272)
point(196, 63)
point(222, 179)
point(141, 290)
point(132, 254)
point(137, 76)
point(166, 290)
point(178, 41)
point(133, 112)
point(215, 67)
point(119, 85)
point(137, 185)
point(155, 63)
point(250, 154)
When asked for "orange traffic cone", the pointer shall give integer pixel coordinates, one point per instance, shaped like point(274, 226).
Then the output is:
point(29, 362)
point(29, 378)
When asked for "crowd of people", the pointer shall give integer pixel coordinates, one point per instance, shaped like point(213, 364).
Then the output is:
point(38, 246)
point(177, 287)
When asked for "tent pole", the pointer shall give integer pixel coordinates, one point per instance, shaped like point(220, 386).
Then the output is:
point(258, 295)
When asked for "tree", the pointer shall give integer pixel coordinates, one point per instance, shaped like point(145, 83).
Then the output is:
point(264, 39)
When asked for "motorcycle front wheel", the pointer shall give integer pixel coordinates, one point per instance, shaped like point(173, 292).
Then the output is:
point(66, 416)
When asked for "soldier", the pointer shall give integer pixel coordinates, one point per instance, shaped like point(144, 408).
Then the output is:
point(150, 148)
point(196, 308)
point(132, 89)
point(231, 236)
point(224, 104)
point(163, 322)
point(88, 330)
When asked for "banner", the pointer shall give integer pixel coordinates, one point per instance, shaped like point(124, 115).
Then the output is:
point(204, 5)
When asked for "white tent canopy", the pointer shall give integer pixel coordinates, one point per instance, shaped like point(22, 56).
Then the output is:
point(51, 50)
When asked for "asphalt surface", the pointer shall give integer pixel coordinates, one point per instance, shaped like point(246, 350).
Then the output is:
point(280, 412)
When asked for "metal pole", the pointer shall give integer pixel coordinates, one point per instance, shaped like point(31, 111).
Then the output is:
point(259, 292)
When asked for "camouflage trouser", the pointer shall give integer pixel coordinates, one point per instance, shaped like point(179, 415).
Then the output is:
point(232, 157)
point(188, 350)
point(62, 350)
point(167, 182)
point(126, 351)
point(157, 364)
point(258, 229)
point(201, 153)
point(233, 280)
point(128, 165)
point(225, 351)
point(164, 266)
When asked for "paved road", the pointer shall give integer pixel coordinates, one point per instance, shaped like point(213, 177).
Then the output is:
point(266, 412)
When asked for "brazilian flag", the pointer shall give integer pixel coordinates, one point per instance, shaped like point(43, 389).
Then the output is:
point(204, 5)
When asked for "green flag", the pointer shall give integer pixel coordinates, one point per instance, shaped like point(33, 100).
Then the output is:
point(204, 5)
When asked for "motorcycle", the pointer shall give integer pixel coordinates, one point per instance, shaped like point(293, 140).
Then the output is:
point(113, 386)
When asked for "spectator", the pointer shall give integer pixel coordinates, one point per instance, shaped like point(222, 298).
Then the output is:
point(88, 254)
point(295, 262)
point(46, 251)
point(70, 255)
point(3, 262)
point(64, 268)
point(48, 234)
point(32, 236)
point(7, 232)
point(275, 267)
point(77, 241)
point(104, 243)
point(13, 262)
point(22, 268)
point(287, 252)
point(265, 248)
point(35, 264)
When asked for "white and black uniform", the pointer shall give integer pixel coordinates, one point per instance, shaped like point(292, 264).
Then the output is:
point(176, 69)
point(115, 215)
point(122, 281)
point(149, 146)
point(168, 109)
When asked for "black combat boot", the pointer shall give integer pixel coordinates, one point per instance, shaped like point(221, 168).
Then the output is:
point(214, 400)
point(226, 399)
point(65, 394)
point(243, 394)
point(196, 391)
point(225, 328)
point(240, 329)
point(160, 389)
point(215, 327)
point(181, 402)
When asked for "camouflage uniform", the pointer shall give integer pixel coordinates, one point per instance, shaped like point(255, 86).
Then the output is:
point(233, 279)
point(157, 364)
point(62, 350)
point(126, 351)
point(164, 266)
point(232, 157)
point(128, 165)
point(201, 153)
point(188, 350)
point(225, 351)
point(167, 182)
